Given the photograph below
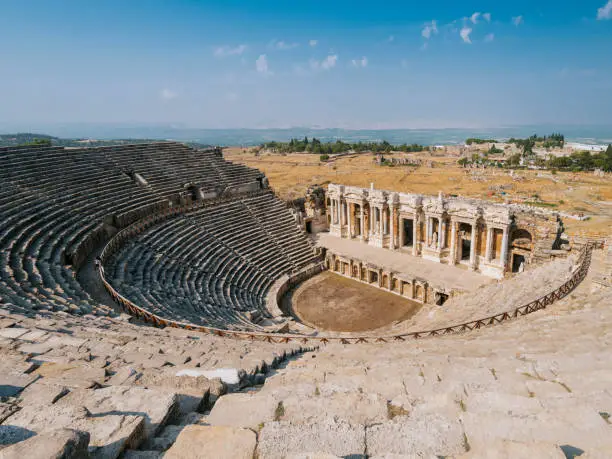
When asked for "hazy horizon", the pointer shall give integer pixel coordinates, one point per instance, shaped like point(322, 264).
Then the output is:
point(600, 134)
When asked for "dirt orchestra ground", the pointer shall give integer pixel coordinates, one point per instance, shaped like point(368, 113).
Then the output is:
point(329, 301)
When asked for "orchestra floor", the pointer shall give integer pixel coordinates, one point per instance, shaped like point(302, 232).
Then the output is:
point(329, 302)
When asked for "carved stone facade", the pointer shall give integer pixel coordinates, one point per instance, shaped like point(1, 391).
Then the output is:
point(468, 233)
point(413, 288)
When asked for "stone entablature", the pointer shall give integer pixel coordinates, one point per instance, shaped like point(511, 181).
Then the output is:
point(458, 231)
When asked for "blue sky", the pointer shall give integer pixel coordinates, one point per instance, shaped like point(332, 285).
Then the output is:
point(354, 64)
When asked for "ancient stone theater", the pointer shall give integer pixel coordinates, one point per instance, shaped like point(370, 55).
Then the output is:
point(157, 300)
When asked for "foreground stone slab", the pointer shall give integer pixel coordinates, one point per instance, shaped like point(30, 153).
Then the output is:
point(575, 426)
point(243, 410)
point(282, 439)
point(111, 435)
point(13, 333)
point(13, 384)
point(220, 442)
point(195, 393)
point(57, 444)
point(515, 450)
point(157, 407)
point(227, 375)
point(110, 432)
point(71, 375)
point(427, 435)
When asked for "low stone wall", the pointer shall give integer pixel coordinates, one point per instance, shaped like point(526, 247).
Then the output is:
point(415, 289)
point(284, 283)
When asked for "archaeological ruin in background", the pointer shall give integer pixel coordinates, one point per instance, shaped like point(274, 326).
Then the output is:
point(477, 235)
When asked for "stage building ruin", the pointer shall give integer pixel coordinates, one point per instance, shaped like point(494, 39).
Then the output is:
point(480, 236)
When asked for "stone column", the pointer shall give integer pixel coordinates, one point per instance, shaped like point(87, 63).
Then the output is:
point(415, 235)
point(381, 221)
point(362, 222)
point(488, 250)
point(350, 224)
point(385, 225)
point(333, 211)
point(473, 246)
point(453, 243)
point(442, 235)
point(392, 224)
point(504, 248)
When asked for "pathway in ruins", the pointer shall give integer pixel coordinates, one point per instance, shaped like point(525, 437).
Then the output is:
point(449, 277)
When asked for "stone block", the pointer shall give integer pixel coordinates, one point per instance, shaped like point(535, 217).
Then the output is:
point(71, 375)
point(12, 384)
point(13, 332)
point(156, 406)
point(243, 410)
point(56, 444)
point(281, 439)
point(220, 442)
point(505, 449)
point(427, 435)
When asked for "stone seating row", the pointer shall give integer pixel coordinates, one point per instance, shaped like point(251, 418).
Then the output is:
point(129, 387)
point(535, 387)
point(213, 266)
point(57, 204)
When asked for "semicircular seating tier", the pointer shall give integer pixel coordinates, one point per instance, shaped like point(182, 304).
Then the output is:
point(212, 266)
point(58, 204)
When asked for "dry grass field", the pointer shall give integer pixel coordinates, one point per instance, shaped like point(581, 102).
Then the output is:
point(291, 174)
point(331, 302)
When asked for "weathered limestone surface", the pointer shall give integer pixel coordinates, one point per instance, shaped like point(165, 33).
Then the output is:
point(330, 436)
point(506, 449)
point(117, 381)
point(220, 442)
point(55, 444)
point(535, 387)
point(428, 435)
point(243, 410)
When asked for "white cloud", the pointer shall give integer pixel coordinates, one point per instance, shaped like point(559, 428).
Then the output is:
point(486, 17)
point(329, 62)
point(326, 64)
point(465, 34)
point(517, 20)
point(167, 94)
point(489, 37)
point(605, 12)
point(283, 45)
point(363, 62)
point(261, 65)
point(313, 43)
point(430, 28)
point(474, 18)
point(223, 51)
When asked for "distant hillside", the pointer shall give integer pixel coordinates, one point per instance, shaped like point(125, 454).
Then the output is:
point(10, 140)
point(25, 138)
